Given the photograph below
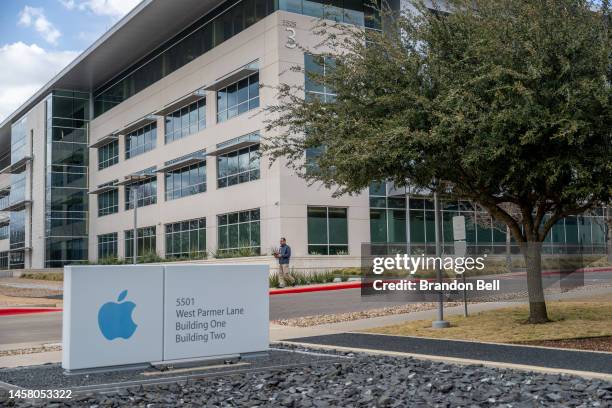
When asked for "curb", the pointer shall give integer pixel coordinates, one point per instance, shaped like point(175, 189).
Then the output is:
point(316, 288)
point(26, 310)
point(288, 291)
point(456, 360)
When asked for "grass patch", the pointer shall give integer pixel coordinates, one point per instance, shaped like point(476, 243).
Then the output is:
point(299, 278)
point(56, 277)
point(570, 320)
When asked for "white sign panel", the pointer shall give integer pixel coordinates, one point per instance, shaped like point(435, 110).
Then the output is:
point(460, 248)
point(130, 314)
point(459, 228)
point(214, 310)
point(112, 315)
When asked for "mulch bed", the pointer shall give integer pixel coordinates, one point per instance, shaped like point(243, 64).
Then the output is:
point(590, 343)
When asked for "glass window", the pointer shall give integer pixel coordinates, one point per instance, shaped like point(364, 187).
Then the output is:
point(141, 140)
point(186, 239)
point(327, 231)
point(186, 181)
point(4, 201)
point(108, 203)
point(146, 242)
point(18, 140)
point(417, 226)
point(316, 68)
point(66, 204)
point(107, 246)
point(238, 166)
point(108, 155)
point(378, 226)
point(146, 191)
point(239, 233)
point(213, 29)
point(4, 232)
point(17, 259)
point(185, 121)
point(599, 231)
point(238, 98)
point(62, 251)
point(4, 260)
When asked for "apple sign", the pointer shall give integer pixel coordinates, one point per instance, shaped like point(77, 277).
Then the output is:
point(115, 318)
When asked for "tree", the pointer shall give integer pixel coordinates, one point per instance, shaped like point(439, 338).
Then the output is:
point(506, 101)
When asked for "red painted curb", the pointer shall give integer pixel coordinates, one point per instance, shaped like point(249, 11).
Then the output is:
point(358, 285)
point(316, 288)
point(583, 270)
point(26, 310)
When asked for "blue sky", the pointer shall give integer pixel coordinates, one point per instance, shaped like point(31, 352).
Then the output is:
point(40, 37)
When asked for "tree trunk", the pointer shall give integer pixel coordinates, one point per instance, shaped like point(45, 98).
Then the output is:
point(508, 249)
point(609, 232)
point(532, 252)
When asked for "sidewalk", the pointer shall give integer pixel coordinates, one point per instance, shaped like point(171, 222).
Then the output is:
point(594, 364)
point(278, 332)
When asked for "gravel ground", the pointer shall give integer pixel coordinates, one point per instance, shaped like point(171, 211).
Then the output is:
point(362, 381)
point(308, 321)
point(30, 350)
point(315, 320)
point(29, 292)
point(29, 288)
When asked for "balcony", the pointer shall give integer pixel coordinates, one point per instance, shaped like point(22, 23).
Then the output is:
point(17, 205)
point(16, 167)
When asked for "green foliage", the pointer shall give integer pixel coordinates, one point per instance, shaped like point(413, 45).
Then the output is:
point(238, 253)
point(505, 103)
point(49, 276)
point(346, 272)
point(273, 280)
point(194, 255)
point(150, 257)
point(300, 278)
point(111, 260)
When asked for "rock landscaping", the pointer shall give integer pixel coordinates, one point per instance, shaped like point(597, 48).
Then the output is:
point(360, 381)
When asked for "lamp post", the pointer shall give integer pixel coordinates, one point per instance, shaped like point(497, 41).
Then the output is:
point(440, 323)
point(135, 227)
point(134, 178)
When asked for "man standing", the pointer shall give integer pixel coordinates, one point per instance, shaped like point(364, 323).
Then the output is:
point(283, 255)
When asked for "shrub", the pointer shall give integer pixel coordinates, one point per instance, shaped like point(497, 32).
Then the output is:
point(274, 282)
point(150, 257)
point(111, 260)
point(297, 278)
point(237, 253)
point(57, 277)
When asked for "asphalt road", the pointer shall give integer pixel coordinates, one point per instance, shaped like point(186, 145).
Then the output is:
point(47, 327)
point(514, 354)
point(319, 303)
point(39, 328)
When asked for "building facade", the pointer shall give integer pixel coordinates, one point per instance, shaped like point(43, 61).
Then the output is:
point(170, 122)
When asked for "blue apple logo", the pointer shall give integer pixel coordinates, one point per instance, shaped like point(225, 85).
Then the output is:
point(115, 319)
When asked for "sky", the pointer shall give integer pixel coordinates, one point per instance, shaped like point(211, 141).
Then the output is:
point(40, 37)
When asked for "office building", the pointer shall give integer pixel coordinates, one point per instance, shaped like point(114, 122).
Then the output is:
point(165, 112)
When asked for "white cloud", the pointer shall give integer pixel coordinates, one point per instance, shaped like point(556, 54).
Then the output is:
point(69, 4)
point(25, 69)
point(112, 8)
point(35, 17)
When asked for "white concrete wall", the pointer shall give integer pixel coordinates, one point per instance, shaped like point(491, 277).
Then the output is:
point(35, 188)
point(281, 196)
point(257, 42)
point(296, 195)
